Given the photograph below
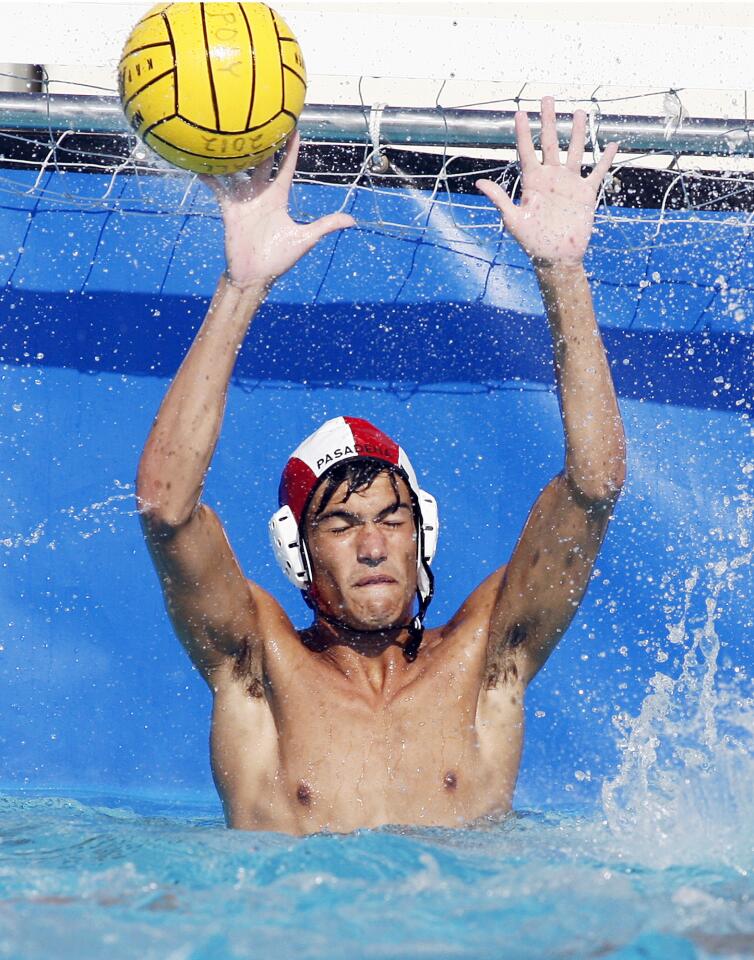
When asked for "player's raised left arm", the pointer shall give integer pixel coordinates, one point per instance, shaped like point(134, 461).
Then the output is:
point(548, 573)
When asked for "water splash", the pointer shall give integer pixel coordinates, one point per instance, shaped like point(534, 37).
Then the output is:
point(29, 540)
point(682, 793)
point(84, 521)
point(93, 518)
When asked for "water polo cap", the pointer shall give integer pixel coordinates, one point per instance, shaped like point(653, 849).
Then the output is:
point(337, 441)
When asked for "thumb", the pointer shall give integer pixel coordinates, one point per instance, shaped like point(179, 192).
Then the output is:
point(216, 185)
point(209, 181)
point(494, 192)
point(314, 232)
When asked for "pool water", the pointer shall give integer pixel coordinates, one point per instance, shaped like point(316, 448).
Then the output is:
point(122, 879)
point(660, 865)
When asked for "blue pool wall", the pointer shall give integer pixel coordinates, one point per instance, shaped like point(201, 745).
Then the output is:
point(442, 343)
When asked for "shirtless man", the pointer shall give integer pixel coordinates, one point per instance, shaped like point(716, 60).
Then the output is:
point(365, 718)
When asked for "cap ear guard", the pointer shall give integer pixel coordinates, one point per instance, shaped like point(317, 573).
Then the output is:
point(430, 524)
point(288, 549)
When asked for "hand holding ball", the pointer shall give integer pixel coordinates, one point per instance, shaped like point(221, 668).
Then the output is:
point(212, 87)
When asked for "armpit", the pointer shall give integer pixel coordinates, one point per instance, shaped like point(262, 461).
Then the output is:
point(247, 669)
point(501, 653)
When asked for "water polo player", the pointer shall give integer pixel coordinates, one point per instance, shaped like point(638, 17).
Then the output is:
point(368, 716)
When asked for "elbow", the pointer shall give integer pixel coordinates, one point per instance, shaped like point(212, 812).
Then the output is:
point(156, 505)
point(600, 489)
point(598, 477)
point(615, 476)
point(618, 479)
point(150, 511)
point(147, 489)
point(609, 490)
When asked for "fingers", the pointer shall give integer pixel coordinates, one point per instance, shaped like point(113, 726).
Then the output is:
point(549, 142)
point(250, 184)
point(227, 188)
point(575, 156)
point(242, 186)
point(288, 165)
point(263, 172)
point(549, 133)
point(524, 143)
point(214, 184)
point(238, 187)
point(495, 193)
point(230, 187)
point(605, 162)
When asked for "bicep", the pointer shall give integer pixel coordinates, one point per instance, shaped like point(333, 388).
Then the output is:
point(210, 602)
point(545, 580)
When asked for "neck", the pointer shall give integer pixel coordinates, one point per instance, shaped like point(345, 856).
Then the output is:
point(328, 633)
point(371, 659)
point(407, 635)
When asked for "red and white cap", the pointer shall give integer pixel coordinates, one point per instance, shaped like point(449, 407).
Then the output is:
point(338, 440)
point(344, 438)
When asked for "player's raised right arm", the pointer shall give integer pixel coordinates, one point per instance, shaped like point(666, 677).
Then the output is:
point(214, 609)
point(206, 594)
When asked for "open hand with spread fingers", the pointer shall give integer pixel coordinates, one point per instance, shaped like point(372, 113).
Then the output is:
point(554, 220)
point(262, 241)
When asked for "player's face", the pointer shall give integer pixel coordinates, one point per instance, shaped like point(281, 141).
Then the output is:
point(363, 552)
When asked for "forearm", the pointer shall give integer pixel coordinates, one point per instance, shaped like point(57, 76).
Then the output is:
point(595, 442)
point(182, 441)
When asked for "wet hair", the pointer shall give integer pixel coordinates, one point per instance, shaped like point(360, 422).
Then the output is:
point(359, 475)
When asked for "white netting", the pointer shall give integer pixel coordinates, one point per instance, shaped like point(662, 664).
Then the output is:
point(435, 191)
point(676, 228)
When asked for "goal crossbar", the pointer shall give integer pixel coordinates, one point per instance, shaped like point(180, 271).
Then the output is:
point(411, 126)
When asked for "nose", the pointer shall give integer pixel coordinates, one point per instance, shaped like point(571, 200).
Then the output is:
point(371, 545)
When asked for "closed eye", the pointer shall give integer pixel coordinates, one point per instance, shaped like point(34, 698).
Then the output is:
point(396, 515)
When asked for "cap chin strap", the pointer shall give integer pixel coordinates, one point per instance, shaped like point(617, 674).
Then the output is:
point(415, 626)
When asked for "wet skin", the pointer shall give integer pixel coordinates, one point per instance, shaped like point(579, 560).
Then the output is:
point(342, 732)
point(327, 729)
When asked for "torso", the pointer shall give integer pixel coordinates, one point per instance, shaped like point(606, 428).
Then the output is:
point(313, 751)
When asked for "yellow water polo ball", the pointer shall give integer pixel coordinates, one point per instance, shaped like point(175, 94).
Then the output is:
point(212, 87)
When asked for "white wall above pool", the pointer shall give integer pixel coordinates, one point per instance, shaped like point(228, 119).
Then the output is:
point(697, 45)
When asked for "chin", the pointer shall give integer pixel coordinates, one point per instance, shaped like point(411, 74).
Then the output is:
point(378, 619)
point(382, 608)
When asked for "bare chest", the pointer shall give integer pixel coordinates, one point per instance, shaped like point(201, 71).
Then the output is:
point(319, 758)
point(385, 749)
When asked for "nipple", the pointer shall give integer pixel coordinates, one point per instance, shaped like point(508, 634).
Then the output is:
point(304, 794)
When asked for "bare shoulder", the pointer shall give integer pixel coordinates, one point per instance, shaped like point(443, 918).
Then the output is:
point(470, 624)
point(275, 634)
point(470, 632)
point(274, 622)
point(464, 638)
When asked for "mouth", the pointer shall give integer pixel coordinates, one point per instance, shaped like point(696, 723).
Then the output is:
point(373, 581)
